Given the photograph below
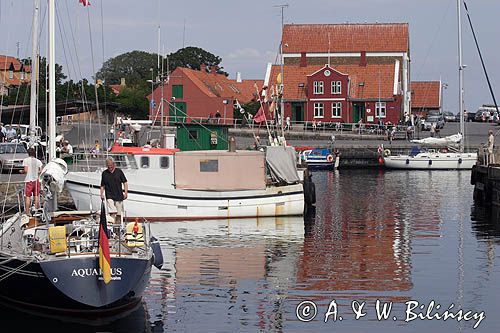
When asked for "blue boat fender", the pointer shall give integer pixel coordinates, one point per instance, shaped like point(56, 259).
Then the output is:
point(157, 254)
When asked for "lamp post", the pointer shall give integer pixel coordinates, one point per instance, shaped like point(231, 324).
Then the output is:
point(225, 104)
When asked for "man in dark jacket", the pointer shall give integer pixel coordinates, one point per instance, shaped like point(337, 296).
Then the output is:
point(111, 189)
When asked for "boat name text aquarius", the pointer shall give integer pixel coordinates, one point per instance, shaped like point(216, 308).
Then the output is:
point(414, 310)
point(86, 272)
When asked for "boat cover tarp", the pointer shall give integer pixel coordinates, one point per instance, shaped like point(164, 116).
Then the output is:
point(282, 163)
point(449, 140)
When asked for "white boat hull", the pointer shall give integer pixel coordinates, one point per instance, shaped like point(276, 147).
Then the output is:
point(432, 161)
point(175, 204)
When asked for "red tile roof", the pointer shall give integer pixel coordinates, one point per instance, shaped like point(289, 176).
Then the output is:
point(8, 62)
point(371, 76)
point(218, 85)
point(116, 88)
point(375, 37)
point(425, 94)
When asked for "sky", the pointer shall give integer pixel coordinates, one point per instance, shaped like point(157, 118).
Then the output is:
point(246, 34)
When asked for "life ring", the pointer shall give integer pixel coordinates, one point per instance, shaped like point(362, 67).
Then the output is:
point(387, 152)
point(329, 158)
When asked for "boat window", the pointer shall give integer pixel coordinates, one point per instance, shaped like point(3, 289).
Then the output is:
point(144, 162)
point(164, 162)
point(209, 166)
point(193, 135)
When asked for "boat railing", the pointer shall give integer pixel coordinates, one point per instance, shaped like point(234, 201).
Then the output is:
point(84, 239)
point(94, 162)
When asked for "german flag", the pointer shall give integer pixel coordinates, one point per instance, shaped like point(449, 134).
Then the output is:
point(104, 257)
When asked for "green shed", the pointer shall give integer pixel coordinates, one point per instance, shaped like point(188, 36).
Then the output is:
point(191, 136)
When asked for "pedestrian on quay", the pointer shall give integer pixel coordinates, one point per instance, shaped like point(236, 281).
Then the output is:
point(217, 116)
point(491, 144)
point(11, 133)
point(314, 125)
point(3, 133)
point(32, 168)
point(287, 122)
point(112, 180)
point(433, 130)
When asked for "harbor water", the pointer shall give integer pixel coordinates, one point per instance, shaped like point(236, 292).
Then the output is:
point(376, 238)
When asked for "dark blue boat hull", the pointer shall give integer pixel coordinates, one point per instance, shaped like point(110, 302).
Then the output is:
point(73, 285)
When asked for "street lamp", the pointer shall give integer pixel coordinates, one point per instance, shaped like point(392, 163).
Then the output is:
point(225, 102)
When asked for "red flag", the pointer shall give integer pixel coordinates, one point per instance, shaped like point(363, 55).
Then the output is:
point(259, 116)
point(85, 3)
point(104, 256)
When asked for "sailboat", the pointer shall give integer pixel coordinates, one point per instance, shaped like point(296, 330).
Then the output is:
point(447, 157)
point(50, 262)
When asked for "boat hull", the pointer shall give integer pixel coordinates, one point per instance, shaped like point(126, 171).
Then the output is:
point(172, 204)
point(72, 286)
point(439, 161)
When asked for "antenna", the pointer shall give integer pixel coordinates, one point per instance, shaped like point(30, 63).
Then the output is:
point(159, 35)
point(18, 44)
point(184, 35)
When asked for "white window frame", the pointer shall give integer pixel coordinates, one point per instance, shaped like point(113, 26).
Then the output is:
point(319, 108)
point(336, 87)
point(318, 87)
point(11, 74)
point(22, 75)
point(380, 106)
point(337, 106)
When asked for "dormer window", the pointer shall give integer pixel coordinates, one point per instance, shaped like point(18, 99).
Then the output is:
point(22, 75)
point(318, 87)
point(11, 74)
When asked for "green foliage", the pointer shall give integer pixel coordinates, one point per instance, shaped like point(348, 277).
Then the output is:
point(192, 57)
point(134, 66)
point(133, 103)
point(250, 107)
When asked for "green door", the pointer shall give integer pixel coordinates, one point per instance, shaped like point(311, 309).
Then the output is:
point(297, 112)
point(358, 112)
point(177, 112)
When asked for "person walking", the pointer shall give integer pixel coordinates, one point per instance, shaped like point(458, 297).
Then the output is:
point(3, 133)
point(491, 144)
point(112, 180)
point(32, 168)
point(217, 116)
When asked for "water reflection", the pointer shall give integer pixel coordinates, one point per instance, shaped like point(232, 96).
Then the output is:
point(136, 321)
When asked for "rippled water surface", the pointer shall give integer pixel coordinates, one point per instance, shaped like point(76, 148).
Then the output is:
point(375, 235)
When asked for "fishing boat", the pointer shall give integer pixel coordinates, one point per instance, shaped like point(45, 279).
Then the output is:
point(447, 157)
point(71, 264)
point(166, 184)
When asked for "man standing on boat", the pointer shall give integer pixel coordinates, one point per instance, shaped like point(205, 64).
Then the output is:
point(111, 189)
point(32, 167)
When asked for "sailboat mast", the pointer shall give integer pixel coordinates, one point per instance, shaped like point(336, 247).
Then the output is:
point(460, 77)
point(34, 71)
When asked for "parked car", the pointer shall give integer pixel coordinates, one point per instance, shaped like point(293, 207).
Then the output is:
point(482, 116)
point(438, 122)
point(12, 156)
point(448, 116)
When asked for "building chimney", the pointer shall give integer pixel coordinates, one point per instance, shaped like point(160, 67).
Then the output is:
point(362, 60)
point(303, 59)
point(213, 69)
point(122, 82)
point(238, 77)
point(203, 68)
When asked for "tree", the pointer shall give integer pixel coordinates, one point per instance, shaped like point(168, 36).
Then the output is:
point(133, 102)
point(134, 66)
point(192, 57)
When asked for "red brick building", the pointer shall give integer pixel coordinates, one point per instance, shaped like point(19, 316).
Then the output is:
point(200, 93)
point(345, 72)
point(425, 97)
point(13, 73)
